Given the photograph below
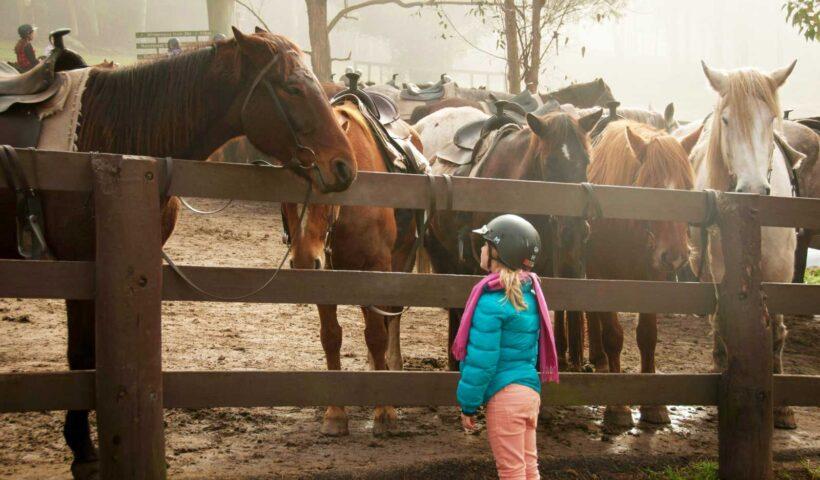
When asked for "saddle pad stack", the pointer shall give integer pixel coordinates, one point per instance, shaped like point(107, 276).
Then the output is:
point(61, 113)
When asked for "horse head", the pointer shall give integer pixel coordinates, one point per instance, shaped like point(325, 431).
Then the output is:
point(283, 109)
point(741, 146)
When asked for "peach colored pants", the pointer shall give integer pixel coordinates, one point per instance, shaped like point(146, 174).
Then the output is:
point(512, 415)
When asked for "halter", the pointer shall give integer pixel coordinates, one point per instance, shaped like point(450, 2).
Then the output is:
point(293, 163)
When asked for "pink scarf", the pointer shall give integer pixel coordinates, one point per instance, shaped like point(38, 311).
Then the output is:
point(547, 356)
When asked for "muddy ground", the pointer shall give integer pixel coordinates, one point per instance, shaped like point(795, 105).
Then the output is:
point(285, 442)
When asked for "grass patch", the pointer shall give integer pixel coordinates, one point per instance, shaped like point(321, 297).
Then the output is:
point(703, 470)
point(813, 275)
point(812, 469)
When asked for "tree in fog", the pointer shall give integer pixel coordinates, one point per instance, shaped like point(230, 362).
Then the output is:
point(805, 15)
point(319, 27)
point(528, 30)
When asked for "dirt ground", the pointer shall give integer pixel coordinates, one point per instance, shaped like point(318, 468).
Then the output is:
point(285, 442)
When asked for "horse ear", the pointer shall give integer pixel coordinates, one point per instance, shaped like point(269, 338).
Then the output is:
point(637, 144)
point(259, 29)
point(688, 142)
point(588, 122)
point(250, 46)
point(669, 114)
point(779, 76)
point(536, 125)
point(718, 79)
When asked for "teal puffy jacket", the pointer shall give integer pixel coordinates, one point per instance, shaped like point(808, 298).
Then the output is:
point(503, 349)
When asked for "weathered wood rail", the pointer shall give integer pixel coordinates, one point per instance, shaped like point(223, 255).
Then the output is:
point(128, 283)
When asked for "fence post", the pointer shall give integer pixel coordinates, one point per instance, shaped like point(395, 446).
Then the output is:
point(745, 396)
point(128, 326)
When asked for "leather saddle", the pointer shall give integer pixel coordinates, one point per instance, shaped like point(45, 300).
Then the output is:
point(21, 93)
point(460, 151)
point(526, 100)
point(382, 114)
point(612, 116)
point(419, 94)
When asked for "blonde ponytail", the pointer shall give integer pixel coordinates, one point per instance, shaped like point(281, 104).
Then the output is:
point(511, 280)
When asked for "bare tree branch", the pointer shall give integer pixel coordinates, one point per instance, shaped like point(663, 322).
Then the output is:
point(333, 59)
point(253, 12)
point(367, 3)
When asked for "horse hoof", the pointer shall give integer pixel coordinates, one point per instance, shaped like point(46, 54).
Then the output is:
point(335, 423)
point(385, 422)
point(89, 470)
point(656, 414)
point(784, 418)
point(618, 417)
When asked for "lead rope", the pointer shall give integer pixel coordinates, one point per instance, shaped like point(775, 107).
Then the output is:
point(214, 296)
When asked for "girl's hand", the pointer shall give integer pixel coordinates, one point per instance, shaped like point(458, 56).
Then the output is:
point(468, 422)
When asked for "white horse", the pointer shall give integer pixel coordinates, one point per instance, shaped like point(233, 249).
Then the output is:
point(437, 129)
point(737, 152)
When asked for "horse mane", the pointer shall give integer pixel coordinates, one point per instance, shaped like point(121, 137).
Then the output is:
point(648, 117)
point(742, 85)
point(161, 107)
point(614, 163)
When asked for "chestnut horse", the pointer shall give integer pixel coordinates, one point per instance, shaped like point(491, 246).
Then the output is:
point(629, 153)
point(554, 148)
point(355, 238)
point(185, 107)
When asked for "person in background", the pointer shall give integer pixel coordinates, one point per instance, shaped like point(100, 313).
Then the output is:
point(26, 58)
point(174, 48)
point(504, 333)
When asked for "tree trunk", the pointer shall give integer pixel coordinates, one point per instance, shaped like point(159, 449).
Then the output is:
point(513, 60)
point(220, 16)
point(319, 39)
point(534, 66)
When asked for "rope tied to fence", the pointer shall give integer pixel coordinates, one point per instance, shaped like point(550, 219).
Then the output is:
point(710, 216)
point(592, 206)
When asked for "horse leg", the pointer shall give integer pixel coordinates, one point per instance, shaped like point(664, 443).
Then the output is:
point(385, 419)
point(647, 336)
point(561, 339)
point(394, 358)
point(783, 415)
point(597, 355)
point(452, 329)
point(77, 431)
point(575, 334)
point(616, 417)
point(335, 420)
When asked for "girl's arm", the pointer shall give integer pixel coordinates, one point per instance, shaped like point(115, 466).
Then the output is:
point(479, 366)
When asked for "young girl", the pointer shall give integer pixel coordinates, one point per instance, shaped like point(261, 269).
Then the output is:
point(504, 330)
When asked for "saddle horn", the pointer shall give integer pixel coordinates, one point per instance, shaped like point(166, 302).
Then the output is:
point(786, 113)
point(354, 90)
point(613, 108)
point(56, 37)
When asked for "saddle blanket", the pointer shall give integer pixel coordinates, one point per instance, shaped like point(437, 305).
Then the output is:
point(61, 113)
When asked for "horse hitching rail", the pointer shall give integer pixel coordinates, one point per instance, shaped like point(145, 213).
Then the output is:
point(129, 389)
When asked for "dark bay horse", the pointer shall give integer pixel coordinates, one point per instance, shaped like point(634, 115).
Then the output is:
point(355, 238)
point(553, 147)
point(583, 95)
point(629, 153)
point(185, 107)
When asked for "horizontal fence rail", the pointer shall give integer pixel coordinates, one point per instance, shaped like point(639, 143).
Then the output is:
point(75, 280)
point(71, 172)
point(196, 389)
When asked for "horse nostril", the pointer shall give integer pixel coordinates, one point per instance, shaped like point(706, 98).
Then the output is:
point(342, 169)
point(768, 190)
point(317, 264)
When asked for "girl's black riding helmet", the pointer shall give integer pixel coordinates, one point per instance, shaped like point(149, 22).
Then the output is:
point(515, 240)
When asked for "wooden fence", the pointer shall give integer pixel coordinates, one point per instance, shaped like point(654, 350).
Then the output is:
point(129, 390)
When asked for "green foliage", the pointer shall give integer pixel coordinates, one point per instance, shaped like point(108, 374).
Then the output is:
point(812, 469)
point(704, 470)
point(813, 278)
point(805, 16)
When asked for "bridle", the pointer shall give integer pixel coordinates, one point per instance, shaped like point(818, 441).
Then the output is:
point(293, 162)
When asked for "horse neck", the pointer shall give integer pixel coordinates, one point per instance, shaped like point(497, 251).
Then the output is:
point(503, 161)
point(149, 110)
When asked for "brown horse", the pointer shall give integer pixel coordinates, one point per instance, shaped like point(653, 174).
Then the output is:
point(355, 238)
point(583, 95)
point(553, 147)
point(629, 153)
point(185, 107)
